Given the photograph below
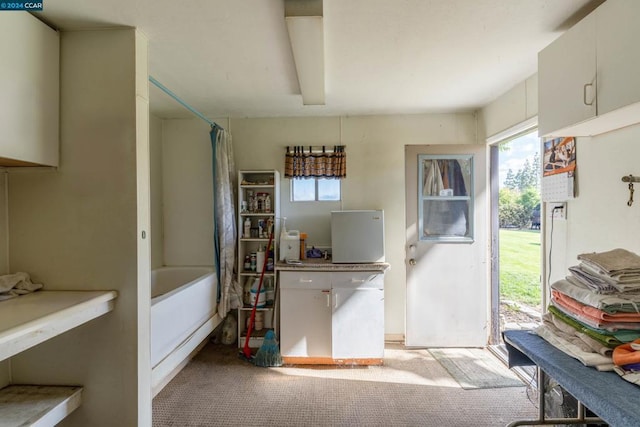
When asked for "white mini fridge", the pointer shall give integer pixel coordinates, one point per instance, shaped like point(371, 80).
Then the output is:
point(357, 236)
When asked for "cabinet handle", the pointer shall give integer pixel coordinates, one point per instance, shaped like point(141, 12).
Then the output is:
point(335, 302)
point(584, 94)
point(306, 280)
point(357, 280)
point(327, 293)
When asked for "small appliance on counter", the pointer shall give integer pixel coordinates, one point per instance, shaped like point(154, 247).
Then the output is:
point(357, 236)
point(289, 245)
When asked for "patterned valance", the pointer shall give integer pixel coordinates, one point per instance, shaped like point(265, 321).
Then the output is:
point(324, 163)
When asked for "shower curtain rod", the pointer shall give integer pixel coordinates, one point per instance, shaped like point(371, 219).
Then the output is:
point(181, 102)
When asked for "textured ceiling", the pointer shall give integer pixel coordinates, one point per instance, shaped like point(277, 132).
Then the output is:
point(230, 58)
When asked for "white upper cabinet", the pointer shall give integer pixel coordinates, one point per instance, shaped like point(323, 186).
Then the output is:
point(618, 55)
point(567, 78)
point(589, 78)
point(29, 84)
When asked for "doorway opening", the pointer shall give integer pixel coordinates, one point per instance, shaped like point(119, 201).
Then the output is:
point(516, 290)
point(519, 240)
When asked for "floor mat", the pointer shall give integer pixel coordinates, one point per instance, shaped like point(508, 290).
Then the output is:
point(475, 368)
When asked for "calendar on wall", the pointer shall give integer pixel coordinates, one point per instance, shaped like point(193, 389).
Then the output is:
point(558, 187)
point(558, 169)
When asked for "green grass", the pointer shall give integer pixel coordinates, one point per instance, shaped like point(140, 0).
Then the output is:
point(520, 266)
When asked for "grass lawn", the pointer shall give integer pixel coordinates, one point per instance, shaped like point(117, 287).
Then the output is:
point(520, 266)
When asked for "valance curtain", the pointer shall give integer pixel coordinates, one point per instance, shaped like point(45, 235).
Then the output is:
point(312, 163)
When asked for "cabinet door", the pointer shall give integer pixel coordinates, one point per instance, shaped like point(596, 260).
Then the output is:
point(305, 322)
point(29, 84)
point(618, 33)
point(567, 79)
point(357, 322)
point(305, 314)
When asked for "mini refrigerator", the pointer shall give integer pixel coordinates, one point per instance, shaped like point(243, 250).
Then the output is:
point(357, 236)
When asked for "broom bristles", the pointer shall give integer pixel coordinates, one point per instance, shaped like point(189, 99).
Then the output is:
point(268, 354)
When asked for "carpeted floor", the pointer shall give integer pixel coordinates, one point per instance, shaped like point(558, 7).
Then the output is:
point(412, 389)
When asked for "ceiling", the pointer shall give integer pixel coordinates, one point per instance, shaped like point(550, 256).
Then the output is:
point(230, 58)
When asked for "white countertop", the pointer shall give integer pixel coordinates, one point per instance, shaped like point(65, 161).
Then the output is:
point(319, 264)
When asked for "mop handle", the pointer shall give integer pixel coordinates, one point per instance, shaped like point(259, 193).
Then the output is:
point(246, 350)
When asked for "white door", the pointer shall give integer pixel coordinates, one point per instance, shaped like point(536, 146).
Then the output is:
point(447, 246)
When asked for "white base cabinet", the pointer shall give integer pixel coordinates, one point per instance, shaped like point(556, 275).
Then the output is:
point(332, 317)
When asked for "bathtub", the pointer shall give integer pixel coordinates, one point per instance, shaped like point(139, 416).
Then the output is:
point(183, 314)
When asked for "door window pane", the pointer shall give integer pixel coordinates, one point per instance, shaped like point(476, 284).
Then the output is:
point(445, 199)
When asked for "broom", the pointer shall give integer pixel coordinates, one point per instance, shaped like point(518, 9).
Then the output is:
point(268, 354)
point(246, 351)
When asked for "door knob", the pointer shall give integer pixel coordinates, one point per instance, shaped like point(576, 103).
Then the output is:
point(412, 261)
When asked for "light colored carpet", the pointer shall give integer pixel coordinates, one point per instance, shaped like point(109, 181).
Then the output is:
point(475, 368)
point(217, 388)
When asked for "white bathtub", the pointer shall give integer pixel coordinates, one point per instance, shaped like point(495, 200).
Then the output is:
point(183, 314)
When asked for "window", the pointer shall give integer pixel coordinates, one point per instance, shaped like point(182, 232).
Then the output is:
point(445, 198)
point(315, 189)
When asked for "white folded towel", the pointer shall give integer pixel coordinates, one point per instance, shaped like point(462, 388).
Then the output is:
point(12, 285)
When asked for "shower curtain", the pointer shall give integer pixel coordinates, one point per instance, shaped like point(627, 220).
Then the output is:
point(224, 222)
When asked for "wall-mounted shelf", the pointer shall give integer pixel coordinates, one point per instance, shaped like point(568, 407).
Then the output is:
point(31, 319)
point(27, 405)
point(28, 320)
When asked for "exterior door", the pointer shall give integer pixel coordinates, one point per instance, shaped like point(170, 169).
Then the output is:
point(447, 246)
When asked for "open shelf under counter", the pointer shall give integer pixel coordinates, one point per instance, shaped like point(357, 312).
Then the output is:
point(41, 405)
point(30, 319)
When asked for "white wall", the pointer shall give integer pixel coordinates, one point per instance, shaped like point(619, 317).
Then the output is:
point(155, 151)
point(4, 259)
point(78, 228)
point(4, 232)
point(187, 192)
point(5, 373)
point(375, 178)
point(599, 218)
point(261, 144)
point(518, 104)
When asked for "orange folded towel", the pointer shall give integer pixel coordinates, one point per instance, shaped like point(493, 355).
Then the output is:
point(592, 311)
point(627, 354)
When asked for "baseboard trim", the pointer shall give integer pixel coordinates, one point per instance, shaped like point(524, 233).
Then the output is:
point(394, 338)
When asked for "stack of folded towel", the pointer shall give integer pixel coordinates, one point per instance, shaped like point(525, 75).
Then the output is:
point(596, 308)
point(13, 285)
